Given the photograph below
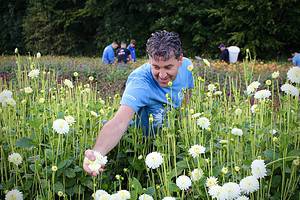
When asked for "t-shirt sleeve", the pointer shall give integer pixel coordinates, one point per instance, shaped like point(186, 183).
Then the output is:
point(135, 94)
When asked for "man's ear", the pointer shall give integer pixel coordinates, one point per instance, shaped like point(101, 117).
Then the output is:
point(180, 59)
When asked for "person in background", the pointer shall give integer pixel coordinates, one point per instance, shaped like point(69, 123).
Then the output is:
point(295, 59)
point(166, 72)
point(131, 48)
point(123, 56)
point(224, 56)
point(108, 56)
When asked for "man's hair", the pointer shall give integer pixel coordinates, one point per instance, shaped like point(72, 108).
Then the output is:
point(164, 45)
point(133, 41)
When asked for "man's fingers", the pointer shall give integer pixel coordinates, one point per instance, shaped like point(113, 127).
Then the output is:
point(90, 154)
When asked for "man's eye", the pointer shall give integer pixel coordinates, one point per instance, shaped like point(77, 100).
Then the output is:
point(156, 68)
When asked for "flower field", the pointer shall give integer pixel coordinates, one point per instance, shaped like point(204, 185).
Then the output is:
point(237, 138)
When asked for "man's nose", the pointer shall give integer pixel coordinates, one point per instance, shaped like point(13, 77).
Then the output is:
point(162, 74)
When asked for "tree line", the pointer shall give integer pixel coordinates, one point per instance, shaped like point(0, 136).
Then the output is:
point(268, 28)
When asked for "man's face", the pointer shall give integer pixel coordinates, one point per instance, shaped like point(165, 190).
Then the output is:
point(165, 71)
point(222, 48)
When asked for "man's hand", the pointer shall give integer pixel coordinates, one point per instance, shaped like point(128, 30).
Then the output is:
point(88, 160)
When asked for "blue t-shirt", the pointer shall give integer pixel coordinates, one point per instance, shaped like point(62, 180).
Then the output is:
point(132, 52)
point(144, 95)
point(296, 60)
point(108, 56)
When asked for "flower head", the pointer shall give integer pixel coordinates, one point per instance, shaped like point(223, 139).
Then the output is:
point(14, 195)
point(203, 122)
point(275, 74)
point(124, 194)
point(34, 73)
point(211, 181)
point(102, 195)
point(61, 126)
point(196, 150)
point(28, 90)
point(183, 182)
point(294, 74)
point(145, 197)
point(252, 87)
point(237, 131)
point(230, 190)
point(15, 158)
point(154, 160)
point(68, 83)
point(258, 169)
point(197, 174)
point(211, 87)
point(243, 197)
point(238, 111)
point(54, 168)
point(206, 62)
point(99, 161)
point(190, 67)
point(38, 55)
point(249, 184)
point(262, 94)
point(70, 120)
point(215, 191)
point(290, 89)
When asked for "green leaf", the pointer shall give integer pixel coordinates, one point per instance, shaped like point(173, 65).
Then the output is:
point(295, 152)
point(58, 186)
point(181, 165)
point(70, 173)
point(173, 187)
point(136, 185)
point(25, 143)
point(150, 191)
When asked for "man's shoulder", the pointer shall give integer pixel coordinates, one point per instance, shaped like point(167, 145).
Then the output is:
point(142, 72)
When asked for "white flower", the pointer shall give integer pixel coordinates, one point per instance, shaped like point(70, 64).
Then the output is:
point(238, 111)
point(262, 94)
point(6, 98)
point(215, 191)
point(290, 89)
point(183, 182)
point(91, 78)
point(38, 55)
point(154, 160)
point(224, 170)
point(230, 190)
point(211, 87)
point(218, 93)
point(145, 197)
point(206, 62)
point(273, 132)
point(169, 198)
point(34, 73)
point(196, 115)
point(68, 83)
point(61, 126)
point(237, 131)
point(99, 161)
point(203, 122)
point(14, 195)
point(94, 114)
point(15, 158)
point(253, 108)
point(242, 198)
point(28, 90)
point(124, 194)
point(275, 74)
point(252, 87)
point(16, 50)
point(70, 120)
point(211, 181)
point(41, 100)
point(294, 74)
point(249, 184)
point(115, 197)
point(197, 174)
point(258, 169)
point(196, 150)
point(102, 195)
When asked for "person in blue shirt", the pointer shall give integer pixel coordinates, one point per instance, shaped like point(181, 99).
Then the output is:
point(108, 56)
point(296, 59)
point(131, 48)
point(151, 89)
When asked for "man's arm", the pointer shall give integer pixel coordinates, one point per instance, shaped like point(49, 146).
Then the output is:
point(109, 135)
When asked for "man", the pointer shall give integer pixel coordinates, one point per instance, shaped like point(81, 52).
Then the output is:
point(224, 53)
point(131, 48)
point(123, 56)
point(145, 93)
point(108, 56)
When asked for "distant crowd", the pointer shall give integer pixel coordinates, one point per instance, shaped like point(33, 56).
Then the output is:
point(122, 56)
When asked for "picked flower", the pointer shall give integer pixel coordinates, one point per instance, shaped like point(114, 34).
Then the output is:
point(294, 74)
point(14, 195)
point(203, 122)
point(196, 150)
point(15, 158)
point(249, 184)
point(61, 126)
point(258, 169)
point(34, 73)
point(154, 160)
point(99, 161)
point(183, 182)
